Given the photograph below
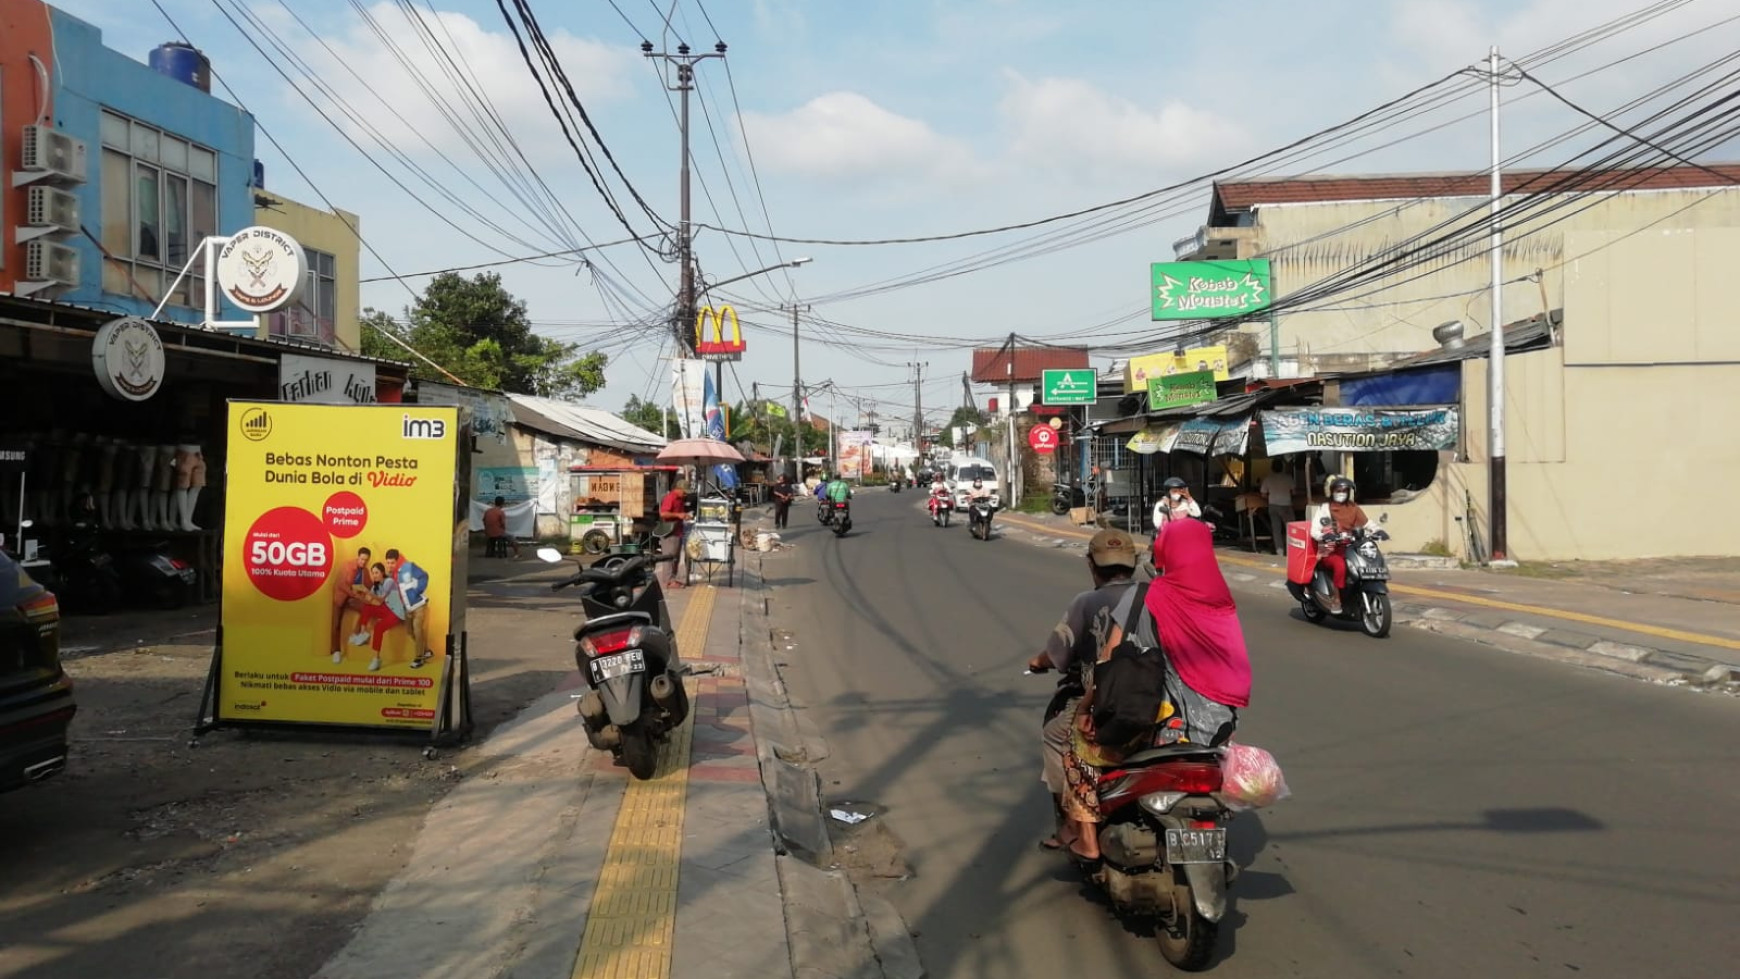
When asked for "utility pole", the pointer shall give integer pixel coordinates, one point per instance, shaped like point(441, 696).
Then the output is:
point(918, 404)
point(1011, 500)
point(1496, 503)
point(685, 62)
point(797, 389)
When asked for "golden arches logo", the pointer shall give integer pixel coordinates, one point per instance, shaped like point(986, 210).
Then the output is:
point(720, 345)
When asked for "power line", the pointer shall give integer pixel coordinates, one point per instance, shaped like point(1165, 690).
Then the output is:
point(513, 261)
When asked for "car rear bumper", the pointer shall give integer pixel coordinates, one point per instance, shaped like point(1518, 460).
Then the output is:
point(34, 747)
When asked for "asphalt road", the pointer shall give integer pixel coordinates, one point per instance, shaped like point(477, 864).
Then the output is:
point(1457, 810)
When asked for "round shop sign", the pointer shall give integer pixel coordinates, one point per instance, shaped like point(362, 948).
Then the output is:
point(1043, 439)
point(127, 355)
point(262, 270)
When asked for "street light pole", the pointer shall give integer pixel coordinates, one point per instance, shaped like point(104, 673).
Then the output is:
point(797, 392)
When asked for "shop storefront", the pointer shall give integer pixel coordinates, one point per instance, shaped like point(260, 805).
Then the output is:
point(121, 422)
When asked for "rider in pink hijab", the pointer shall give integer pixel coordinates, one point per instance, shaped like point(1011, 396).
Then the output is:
point(1195, 617)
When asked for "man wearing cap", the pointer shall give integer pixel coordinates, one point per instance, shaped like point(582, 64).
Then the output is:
point(1075, 644)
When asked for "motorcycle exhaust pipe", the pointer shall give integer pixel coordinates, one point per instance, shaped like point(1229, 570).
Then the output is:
point(664, 692)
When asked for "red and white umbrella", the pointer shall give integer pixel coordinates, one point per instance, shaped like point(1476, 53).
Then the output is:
point(700, 452)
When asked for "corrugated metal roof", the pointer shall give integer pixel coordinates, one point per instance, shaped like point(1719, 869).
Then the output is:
point(1519, 337)
point(991, 364)
point(1241, 195)
point(581, 423)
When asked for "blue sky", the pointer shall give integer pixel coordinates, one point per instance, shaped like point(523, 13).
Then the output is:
point(894, 119)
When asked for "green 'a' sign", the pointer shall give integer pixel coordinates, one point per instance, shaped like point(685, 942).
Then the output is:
point(1180, 390)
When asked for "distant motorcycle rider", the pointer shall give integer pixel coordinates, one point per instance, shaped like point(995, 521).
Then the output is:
point(1344, 516)
point(1175, 503)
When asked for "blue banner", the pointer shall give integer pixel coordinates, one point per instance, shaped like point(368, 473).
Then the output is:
point(725, 475)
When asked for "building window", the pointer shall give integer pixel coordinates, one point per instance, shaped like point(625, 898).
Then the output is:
point(159, 199)
point(315, 315)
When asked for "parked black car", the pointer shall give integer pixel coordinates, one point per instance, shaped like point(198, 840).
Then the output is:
point(36, 699)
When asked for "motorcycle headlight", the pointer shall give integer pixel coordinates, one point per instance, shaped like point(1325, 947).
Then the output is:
point(1368, 549)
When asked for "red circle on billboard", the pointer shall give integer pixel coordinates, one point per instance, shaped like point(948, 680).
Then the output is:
point(345, 514)
point(287, 554)
point(1043, 439)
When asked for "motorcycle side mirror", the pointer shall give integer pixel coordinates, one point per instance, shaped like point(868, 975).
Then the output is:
point(1383, 518)
point(1324, 521)
point(549, 555)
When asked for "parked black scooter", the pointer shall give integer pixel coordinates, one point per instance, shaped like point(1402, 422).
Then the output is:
point(1066, 497)
point(627, 651)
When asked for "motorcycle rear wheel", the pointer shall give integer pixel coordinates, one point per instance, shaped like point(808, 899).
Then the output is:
point(1377, 618)
point(1187, 941)
point(639, 753)
point(1313, 611)
point(1060, 506)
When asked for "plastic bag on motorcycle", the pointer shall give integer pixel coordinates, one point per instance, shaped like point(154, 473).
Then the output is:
point(1251, 778)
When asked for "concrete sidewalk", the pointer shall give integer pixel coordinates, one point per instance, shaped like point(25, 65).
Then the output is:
point(1644, 615)
point(549, 862)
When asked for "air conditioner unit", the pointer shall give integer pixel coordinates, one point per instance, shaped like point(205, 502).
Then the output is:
point(51, 262)
point(48, 150)
point(51, 207)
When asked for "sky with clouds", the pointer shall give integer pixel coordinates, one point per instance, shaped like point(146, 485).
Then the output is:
point(902, 118)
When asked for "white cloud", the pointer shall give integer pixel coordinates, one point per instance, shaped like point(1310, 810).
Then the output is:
point(492, 64)
point(844, 135)
point(1070, 124)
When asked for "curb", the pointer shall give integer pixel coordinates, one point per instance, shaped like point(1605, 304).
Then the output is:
point(1498, 630)
point(833, 930)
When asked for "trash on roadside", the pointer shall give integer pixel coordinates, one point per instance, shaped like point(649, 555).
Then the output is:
point(848, 817)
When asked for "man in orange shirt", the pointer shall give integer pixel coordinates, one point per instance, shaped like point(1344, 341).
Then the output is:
point(495, 529)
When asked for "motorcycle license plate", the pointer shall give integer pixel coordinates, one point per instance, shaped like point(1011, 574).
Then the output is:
point(1195, 846)
point(621, 664)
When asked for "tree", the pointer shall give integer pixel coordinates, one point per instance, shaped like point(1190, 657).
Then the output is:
point(970, 419)
point(480, 333)
point(650, 416)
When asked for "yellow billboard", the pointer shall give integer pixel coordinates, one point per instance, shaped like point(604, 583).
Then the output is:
point(1140, 369)
point(339, 564)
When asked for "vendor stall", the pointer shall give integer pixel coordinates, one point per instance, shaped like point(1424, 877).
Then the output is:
point(614, 504)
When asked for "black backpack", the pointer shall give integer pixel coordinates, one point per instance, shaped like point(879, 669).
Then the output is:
point(1130, 687)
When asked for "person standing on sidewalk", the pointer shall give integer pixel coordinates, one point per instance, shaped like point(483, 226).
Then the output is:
point(782, 494)
point(674, 510)
point(1072, 649)
point(1277, 486)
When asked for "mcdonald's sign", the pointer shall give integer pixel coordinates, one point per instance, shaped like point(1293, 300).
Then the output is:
point(717, 345)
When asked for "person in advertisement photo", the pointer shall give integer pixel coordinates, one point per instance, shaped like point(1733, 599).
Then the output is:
point(338, 550)
point(408, 597)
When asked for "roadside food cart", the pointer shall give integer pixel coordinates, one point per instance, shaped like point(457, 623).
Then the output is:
point(712, 541)
point(614, 505)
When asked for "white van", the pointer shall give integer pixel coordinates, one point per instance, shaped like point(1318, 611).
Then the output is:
point(961, 472)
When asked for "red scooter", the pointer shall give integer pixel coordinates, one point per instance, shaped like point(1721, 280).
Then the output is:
point(1163, 851)
point(941, 506)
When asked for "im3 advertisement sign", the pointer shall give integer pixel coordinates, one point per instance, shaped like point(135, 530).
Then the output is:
point(345, 536)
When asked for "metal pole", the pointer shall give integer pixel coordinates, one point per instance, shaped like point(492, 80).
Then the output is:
point(1495, 369)
point(833, 436)
point(1274, 331)
point(797, 393)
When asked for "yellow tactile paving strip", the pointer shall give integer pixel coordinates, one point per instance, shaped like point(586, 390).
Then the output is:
point(633, 917)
